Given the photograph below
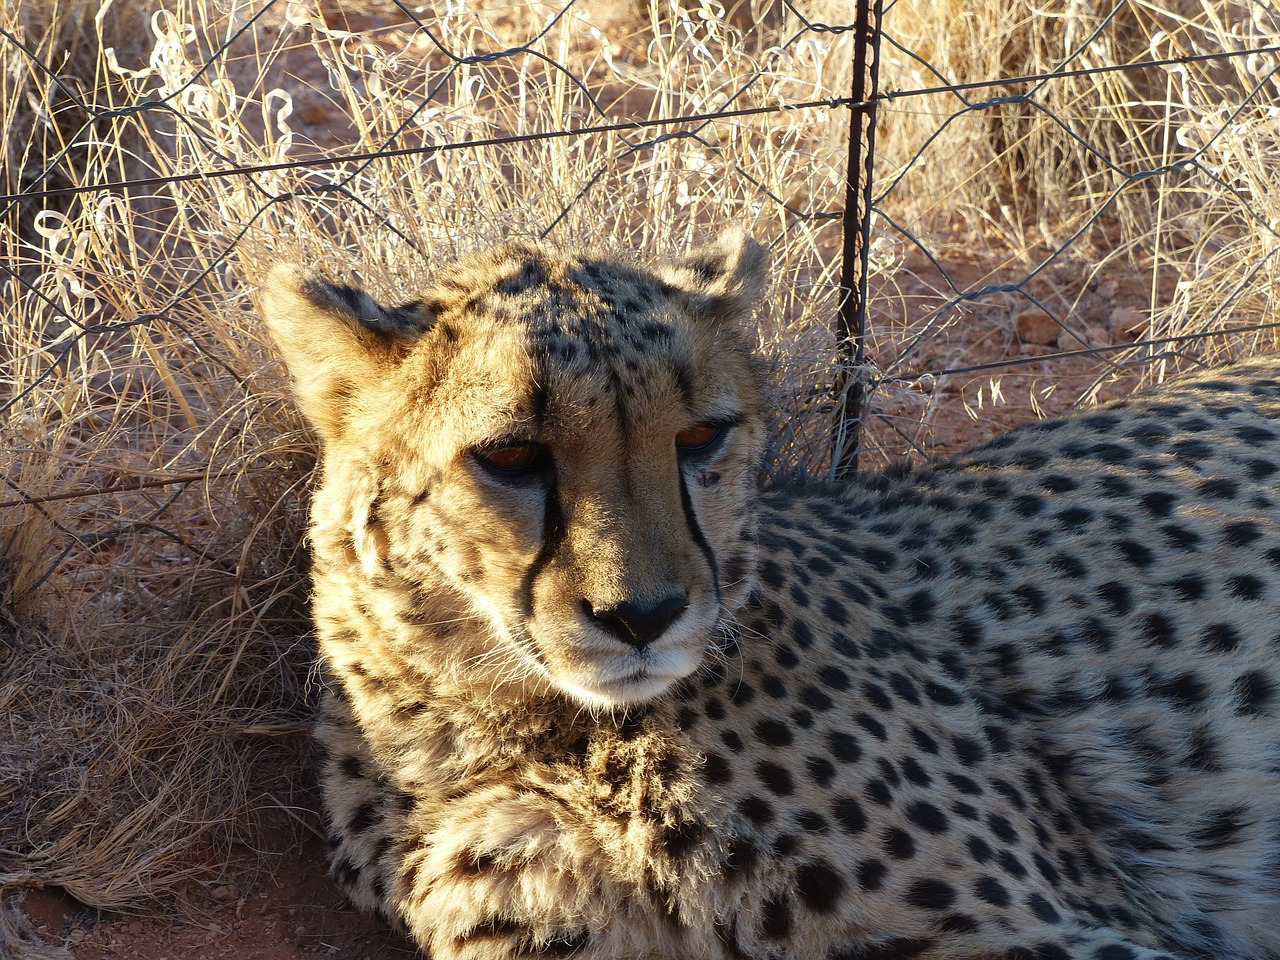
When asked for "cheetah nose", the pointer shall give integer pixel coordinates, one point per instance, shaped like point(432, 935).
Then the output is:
point(639, 624)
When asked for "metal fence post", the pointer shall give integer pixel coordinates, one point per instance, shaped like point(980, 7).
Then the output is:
point(850, 388)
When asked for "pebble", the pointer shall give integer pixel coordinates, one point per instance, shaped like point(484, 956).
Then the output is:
point(1036, 326)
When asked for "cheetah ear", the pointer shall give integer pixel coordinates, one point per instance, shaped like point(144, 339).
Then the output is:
point(335, 340)
point(722, 280)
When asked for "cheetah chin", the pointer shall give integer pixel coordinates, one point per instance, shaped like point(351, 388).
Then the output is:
point(590, 691)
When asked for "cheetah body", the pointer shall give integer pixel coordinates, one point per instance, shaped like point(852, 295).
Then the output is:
point(1019, 704)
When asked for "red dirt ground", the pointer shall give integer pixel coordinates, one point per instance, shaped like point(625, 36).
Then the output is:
point(281, 906)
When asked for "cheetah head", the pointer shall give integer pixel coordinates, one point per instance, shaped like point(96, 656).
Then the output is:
point(559, 452)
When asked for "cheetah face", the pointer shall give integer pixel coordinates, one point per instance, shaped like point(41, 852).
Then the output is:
point(544, 468)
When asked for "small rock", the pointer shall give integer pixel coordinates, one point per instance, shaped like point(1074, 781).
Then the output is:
point(136, 927)
point(1093, 336)
point(315, 113)
point(1128, 319)
point(1036, 326)
point(75, 936)
point(299, 931)
point(225, 893)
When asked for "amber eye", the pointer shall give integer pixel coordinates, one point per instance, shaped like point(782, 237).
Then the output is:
point(511, 458)
point(698, 439)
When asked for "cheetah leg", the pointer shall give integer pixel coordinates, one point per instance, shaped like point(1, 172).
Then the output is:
point(363, 810)
point(500, 882)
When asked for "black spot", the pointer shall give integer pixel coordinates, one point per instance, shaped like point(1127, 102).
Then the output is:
point(1114, 951)
point(912, 770)
point(1246, 586)
point(979, 849)
point(816, 699)
point(1159, 631)
point(773, 687)
point(871, 725)
point(835, 611)
point(1010, 864)
point(1192, 449)
point(991, 891)
point(1220, 488)
point(1260, 469)
point(899, 844)
point(968, 750)
point(741, 856)
point(731, 740)
point(783, 845)
point(776, 777)
point(786, 658)
point(1220, 637)
point(941, 694)
point(717, 769)
point(1068, 566)
point(833, 677)
point(1254, 691)
point(1026, 505)
point(1073, 517)
point(1159, 503)
point(820, 887)
point(1138, 554)
point(775, 920)
point(1202, 750)
point(1185, 689)
point(1254, 434)
point(964, 784)
point(1180, 537)
point(821, 770)
point(802, 718)
point(799, 596)
point(756, 809)
point(956, 923)
point(1189, 587)
point(1002, 828)
point(875, 695)
point(927, 817)
point(363, 818)
point(895, 948)
point(681, 838)
point(1241, 533)
point(771, 574)
point(1221, 828)
point(879, 792)
point(930, 894)
point(871, 874)
point(801, 635)
point(774, 732)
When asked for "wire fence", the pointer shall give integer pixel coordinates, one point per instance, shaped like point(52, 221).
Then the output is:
point(1104, 197)
point(1113, 173)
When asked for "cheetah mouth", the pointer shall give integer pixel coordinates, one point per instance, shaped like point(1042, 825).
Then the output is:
point(616, 685)
point(639, 686)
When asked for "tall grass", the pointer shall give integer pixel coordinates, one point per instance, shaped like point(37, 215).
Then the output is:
point(152, 588)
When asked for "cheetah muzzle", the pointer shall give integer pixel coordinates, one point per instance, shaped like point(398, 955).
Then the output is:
point(592, 693)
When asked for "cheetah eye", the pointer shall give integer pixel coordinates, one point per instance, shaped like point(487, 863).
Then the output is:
point(700, 439)
point(512, 458)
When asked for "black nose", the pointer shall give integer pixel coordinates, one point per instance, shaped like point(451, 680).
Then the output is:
point(639, 624)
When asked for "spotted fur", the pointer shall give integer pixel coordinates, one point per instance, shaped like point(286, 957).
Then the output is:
point(618, 703)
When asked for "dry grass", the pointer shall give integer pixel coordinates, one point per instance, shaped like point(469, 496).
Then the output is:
point(152, 583)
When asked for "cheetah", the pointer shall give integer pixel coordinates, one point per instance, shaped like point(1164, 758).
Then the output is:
point(593, 691)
